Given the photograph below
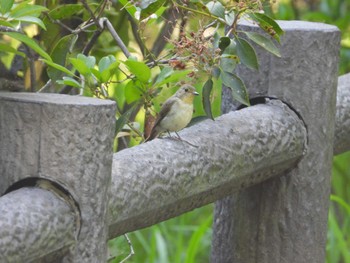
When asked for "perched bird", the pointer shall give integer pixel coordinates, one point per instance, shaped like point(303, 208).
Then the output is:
point(175, 113)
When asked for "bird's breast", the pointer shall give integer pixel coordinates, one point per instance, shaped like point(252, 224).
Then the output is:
point(178, 117)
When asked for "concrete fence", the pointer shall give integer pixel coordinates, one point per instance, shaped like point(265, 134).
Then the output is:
point(267, 167)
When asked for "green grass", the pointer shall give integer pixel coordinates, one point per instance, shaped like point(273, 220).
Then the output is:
point(338, 245)
point(184, 239)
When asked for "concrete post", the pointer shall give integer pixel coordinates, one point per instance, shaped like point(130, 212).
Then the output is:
point(285, 219)
point(67, 140)
point(342, 120)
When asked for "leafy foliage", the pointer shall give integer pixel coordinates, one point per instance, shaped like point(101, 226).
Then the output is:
point(82, 46)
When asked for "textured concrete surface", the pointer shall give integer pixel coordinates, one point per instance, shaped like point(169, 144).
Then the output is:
point(34, 222)
point(342, 120)
point(67, 139)
point(164, 178)
point(285, 219)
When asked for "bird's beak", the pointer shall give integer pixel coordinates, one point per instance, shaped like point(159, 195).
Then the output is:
point(195, 93)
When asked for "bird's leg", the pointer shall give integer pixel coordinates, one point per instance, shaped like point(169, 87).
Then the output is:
point(178, 138)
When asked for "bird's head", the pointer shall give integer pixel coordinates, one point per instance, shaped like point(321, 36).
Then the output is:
point(186, 93)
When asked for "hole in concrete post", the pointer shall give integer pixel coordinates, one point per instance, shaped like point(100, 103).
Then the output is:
point(256, 101)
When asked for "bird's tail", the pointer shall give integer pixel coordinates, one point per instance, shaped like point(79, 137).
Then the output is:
point(153, 134)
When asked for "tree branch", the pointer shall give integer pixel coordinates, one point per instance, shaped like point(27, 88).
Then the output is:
point(167, 30)
point(104, 21)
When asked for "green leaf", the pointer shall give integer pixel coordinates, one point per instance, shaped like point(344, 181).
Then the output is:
point(143, 4)
point(7, 48)
point(215, 72)
point(107, 67)
point(6, 5)
point(246, 53)
point(59, 55)
point(133, 91)
point(139, 69)
point(89, 61)
point(208, 86)
point(224, 42)
point(268, 25)
point(124, 119)
point(199, 5)
point(172, 77)
point(229, 62)
point(97, 74)
point(108, 72)
point(129, 7)
point(197, 237)
point(8, 24)
point(57, 66)
point(164, 73)
point(230, 18)
point(26, 9)
point(216, 8)
point(83, 63)
point(341, 202)
point(65, 11)
point(79, 65)
point(338, 233)
point(238, 89)
point(151, 9)
point(62, 49)
point(197, 120)
point(105, 62)
point(264, 42)
point(29, 42)
point(231, 49)
point(68, 81)
point(32, 20)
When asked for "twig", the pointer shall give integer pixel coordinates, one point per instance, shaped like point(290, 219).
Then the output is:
point(120, 43)
point(86, 51)
point(81, 28)
point(183, 24)
point(96, 22)
point(101, 8)
point(91, 43)
point(212, 24)
point(170, 17)
point(47, 85)
point(31, 69)
point(200, 12)
point(9, 29)
point(234, 23)
point(135, 29)
point(154, 63)
point(32, 72)
point(131, 249)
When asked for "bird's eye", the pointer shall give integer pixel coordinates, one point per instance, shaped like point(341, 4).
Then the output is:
point(186, 90)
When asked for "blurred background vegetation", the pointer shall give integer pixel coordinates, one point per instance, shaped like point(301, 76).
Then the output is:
point(186, 238)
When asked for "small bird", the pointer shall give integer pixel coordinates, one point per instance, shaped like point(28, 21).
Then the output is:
point(175, 113)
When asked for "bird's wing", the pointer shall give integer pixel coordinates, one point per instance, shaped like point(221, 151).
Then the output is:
point(164, 111)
